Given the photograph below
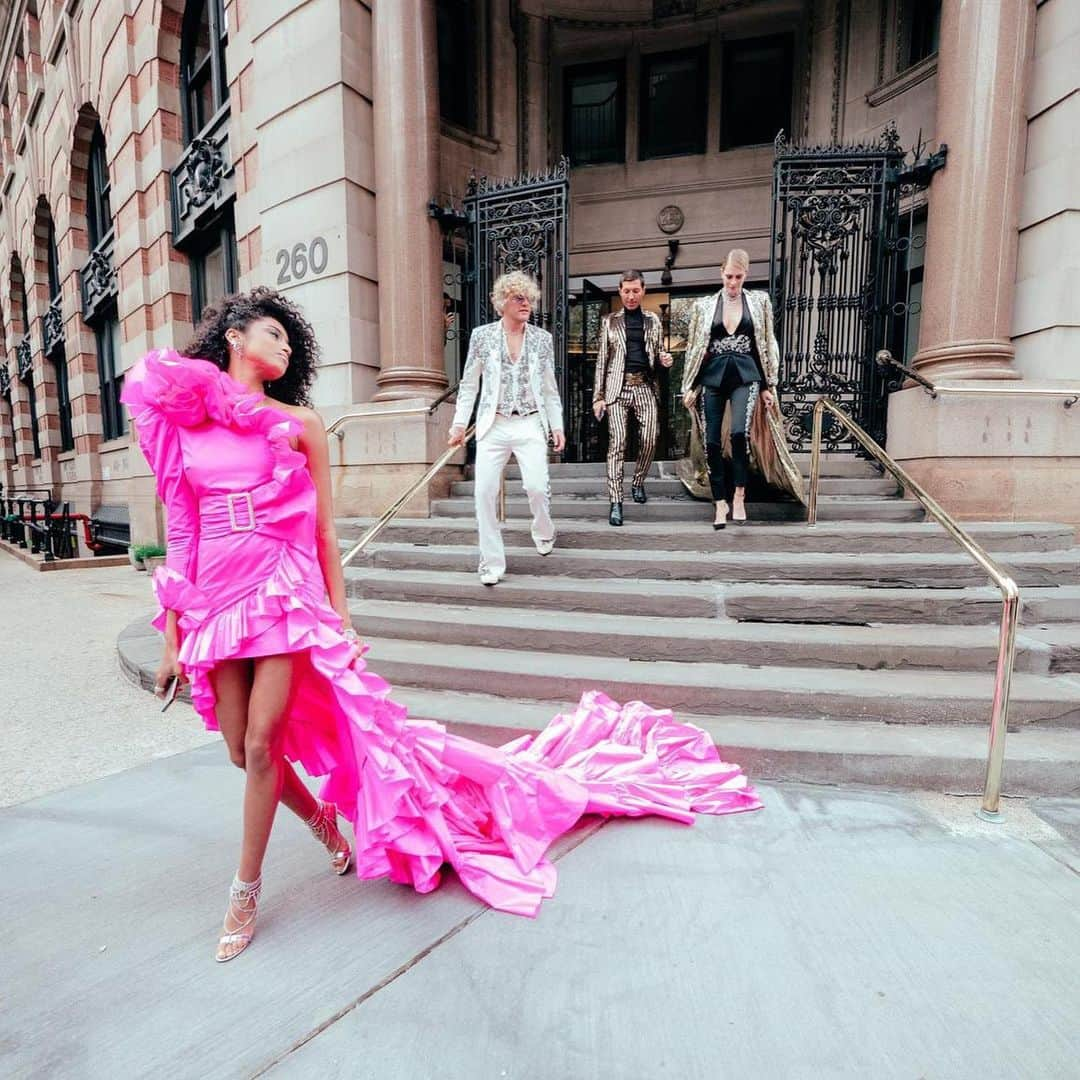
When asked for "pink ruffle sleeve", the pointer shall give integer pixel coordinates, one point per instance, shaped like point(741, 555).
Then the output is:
point(156, 430)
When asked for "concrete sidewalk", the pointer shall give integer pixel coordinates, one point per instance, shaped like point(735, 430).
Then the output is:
point(834, 934)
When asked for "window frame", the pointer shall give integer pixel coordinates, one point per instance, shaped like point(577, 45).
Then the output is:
point(786, 65)
point(192, 77)
point(700, 53)
point(110, 381)
point(618, 67)
point(99, 219)
point(469, 73)
point(223, 232)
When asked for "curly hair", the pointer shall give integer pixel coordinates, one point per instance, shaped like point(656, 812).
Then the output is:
point(514, 281)
point(236, 313)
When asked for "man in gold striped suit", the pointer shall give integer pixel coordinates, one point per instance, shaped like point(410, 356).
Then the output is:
point(630, 348)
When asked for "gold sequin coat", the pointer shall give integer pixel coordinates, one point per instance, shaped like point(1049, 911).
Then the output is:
point(769, 453)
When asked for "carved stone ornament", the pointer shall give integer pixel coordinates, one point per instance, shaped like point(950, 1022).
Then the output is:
point(670, 219)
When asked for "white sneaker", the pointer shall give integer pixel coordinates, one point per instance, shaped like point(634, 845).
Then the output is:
point(545, 547)
point(489, 577)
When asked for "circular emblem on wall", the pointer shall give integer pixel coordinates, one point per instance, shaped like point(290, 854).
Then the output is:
point(670, 219)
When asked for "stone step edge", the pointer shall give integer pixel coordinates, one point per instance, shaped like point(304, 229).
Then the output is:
point(1036, 649)
point(1059, 691)
point(951, 758)
point(936, 757)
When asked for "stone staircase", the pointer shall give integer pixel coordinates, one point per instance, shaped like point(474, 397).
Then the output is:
point(861, 650)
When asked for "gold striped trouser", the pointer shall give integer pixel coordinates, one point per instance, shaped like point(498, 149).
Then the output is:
point(636, 396)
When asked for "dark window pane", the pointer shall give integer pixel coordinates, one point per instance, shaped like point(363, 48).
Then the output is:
point(925, 29)
point(455, 23)
point(202, 63)
point(594, 114)
point(63, 400)
point(108, 350)
point(54, 264)
point(213, 270)
point(756, 90)
point(674, 93)
point(31, 395)
point(98, 210)
point(201, 99)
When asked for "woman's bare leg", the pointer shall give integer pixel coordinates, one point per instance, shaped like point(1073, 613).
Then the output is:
point(263, 763)
point(231, 681)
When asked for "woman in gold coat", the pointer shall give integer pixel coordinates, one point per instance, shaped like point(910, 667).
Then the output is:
point(732, 360)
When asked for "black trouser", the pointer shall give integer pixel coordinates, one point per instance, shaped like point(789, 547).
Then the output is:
point(743, 398)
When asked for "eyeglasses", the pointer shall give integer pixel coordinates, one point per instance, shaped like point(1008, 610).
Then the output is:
point(520, 298)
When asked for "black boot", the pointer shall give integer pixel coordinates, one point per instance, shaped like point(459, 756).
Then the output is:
point(638, 491)
point(615, 516)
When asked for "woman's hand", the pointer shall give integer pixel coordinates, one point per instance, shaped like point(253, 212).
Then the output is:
point(689, 398)
point(769, 399)
point(169, 666)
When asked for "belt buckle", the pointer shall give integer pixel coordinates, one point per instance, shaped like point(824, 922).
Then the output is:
point(249, 503)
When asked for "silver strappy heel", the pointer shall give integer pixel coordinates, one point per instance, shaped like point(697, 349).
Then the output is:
point(323, 826)
point(243, 899)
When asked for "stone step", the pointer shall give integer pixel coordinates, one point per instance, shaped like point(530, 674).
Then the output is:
point(705, 640)
point(933, 757)
point(910, 570)
point(907, 696)
point(941, 757)
point(853, 604)
point(839, 536)
point(832, 465)
point(830, 508)
point(595, 487)
point(834, 604)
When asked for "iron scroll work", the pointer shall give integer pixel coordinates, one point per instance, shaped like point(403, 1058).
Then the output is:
point(835, 277)
point(521, 224)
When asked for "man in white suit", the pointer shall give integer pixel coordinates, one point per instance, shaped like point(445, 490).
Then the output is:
point(511, 364)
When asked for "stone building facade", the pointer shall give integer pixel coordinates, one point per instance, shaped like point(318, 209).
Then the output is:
point(157, 153)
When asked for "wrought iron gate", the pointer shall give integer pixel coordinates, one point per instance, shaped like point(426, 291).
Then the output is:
point(833, 276)
point(521, 224)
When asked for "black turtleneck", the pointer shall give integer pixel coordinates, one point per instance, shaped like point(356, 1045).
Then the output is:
point(637, 359)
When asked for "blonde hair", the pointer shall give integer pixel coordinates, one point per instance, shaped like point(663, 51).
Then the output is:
point(514, 281)
point(737, 259)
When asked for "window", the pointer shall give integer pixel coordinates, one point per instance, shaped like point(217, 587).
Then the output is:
point(31, 399)
point(213, 267)
point(456, 23)
point(99, 221)
point(204, 79)
point(756, 93)
point(57, 354)
point(924, 29)
point(107, 334)
point(104, 320)
point(674, 103)
point(594, 114)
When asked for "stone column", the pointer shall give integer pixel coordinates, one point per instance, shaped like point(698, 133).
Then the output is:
point(406, 178)
point(975, 200)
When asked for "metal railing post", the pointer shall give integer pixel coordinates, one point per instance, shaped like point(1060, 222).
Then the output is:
point(1010, 593)
point(815, 464)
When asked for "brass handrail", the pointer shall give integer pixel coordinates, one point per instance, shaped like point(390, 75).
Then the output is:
point(392, 510)
point(335, 427)
point(886, 359)
point(1010, 593)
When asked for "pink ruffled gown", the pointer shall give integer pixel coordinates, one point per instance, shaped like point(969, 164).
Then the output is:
point(243, 575)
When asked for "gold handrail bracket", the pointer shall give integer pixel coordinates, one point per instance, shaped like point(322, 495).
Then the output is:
point(1010, 593)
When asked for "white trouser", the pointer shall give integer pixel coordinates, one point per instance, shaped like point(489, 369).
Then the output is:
point(522, 436)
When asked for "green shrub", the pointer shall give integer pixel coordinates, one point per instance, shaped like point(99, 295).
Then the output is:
point(147, 551)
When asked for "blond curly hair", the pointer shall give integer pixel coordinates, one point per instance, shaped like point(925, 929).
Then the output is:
point(510, 283)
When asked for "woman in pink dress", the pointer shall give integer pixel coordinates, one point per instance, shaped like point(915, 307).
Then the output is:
point(254, 612)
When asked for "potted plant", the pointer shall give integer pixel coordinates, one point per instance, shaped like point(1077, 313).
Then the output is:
point(146, 556)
